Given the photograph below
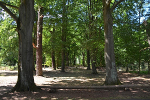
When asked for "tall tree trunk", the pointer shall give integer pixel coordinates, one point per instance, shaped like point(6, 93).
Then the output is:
point(139, 66)
point(127, 69)
point(93, 54)
point(92, 36)
point(148, 66)
point(34, 41)
point(88, 60)
point(79, 60)
point(39, 71)
point(67, 58)
point(83, 59)
point(74, 59)
point(58, 60)
point(53, 60)
point(25, 80)
point(63, 61)
point(93, 50)
point(111, 71)
point(139, 46)
point(93, 60)
point(64, 30)
point(53, 51)
point(127, 66)
point(148, 40)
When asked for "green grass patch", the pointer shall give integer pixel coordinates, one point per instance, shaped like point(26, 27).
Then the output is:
point(141, 72)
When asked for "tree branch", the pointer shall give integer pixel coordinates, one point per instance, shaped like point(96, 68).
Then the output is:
point(106, 2)
point(8, 11)
point(116, 4)
point(9, 5)
point(144, 49)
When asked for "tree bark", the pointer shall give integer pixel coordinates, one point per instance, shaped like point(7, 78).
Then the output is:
point(139, 66)
point(64, 30)
point(53, 60)
point(35, 42)
point(53, 51)
point(148, 66)
point(111, 71)
point(8, 11)
point(25, 80)
point(83, 59)
point(139, 46)
point(92, 35)
point(93, 60)
point(127, 69)
point(63, 61)
point(67, 58)
point(58, 60)
point(148, 40)
point(74, 58)
point(88, 60)
point(39, 71)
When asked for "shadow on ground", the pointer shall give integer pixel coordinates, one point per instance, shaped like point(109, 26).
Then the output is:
point(77, 77)
point(74, 77)
point(133, 94)
point(8, 73)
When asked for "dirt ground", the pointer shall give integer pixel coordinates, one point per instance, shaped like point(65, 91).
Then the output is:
point(75, 77)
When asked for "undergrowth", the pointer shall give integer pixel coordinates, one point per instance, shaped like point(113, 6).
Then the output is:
point(141, 72)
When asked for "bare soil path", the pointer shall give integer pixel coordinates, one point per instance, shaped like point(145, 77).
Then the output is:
point(75, 77)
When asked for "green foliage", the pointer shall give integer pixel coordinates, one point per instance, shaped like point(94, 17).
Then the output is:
point(141, 72)
point(81, 32)
point(9, 42)
point(129, 35)
point(48, 61)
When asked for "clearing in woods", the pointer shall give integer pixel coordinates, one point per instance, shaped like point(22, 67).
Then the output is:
point(75, 77)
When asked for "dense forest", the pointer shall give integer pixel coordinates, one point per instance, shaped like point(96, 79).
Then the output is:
point(70, 33)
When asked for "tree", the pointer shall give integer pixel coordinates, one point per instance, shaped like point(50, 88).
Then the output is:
point(92, 35)
point(8, 41)
point(88, 60)
point(64, 30)
point(147, 25)
point(53, 51)
point(39, 71)
point(25, 27)
point(111, 71)
point(126, 49)
point(25, 21)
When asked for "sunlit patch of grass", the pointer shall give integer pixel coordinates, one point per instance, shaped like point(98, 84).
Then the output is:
point(11, 68)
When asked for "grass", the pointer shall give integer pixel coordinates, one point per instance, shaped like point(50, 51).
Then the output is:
point(11, 68)
point(141, 72)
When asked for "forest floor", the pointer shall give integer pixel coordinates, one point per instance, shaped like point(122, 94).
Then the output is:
point(75, 77)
